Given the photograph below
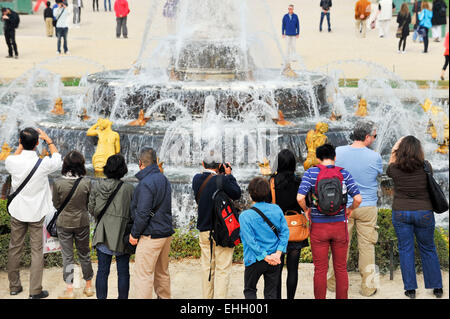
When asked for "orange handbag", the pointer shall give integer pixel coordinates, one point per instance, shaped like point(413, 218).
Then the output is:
point(297, 222)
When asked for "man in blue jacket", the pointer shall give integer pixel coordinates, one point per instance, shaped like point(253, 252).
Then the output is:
point(290, 31)
point(151, 211)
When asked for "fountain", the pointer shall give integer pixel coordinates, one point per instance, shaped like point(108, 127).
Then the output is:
point(208, 86)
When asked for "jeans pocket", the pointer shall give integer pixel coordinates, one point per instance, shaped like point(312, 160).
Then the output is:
point(426, 219)
point(399, 216)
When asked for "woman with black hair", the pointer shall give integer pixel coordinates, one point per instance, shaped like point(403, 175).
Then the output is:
point(73, 222)
point(286, 188)
point(110, 225)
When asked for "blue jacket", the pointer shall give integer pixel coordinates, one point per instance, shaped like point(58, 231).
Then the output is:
point(153, 188)
point(290, 26)
point(257, 237)
point(425, 18)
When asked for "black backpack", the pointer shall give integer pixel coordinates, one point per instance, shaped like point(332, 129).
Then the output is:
point(16, 20)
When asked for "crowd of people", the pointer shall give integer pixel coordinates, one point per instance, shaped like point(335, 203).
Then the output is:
point(336, 197)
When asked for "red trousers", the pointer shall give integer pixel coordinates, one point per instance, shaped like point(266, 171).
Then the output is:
point(324, 235)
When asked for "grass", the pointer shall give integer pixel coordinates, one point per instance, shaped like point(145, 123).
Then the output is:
point(423, 84)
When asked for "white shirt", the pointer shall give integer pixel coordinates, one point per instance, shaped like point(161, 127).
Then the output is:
point(63, 20)
point(386, 10)
point(35, 200)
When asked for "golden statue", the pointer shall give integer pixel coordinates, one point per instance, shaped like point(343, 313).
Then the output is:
point(108, 143)
point(437, 116)
point(362, 108)
point(335, 117)
point(288, 72)
point(44, 153)
point(141, 119)
point(83, 116)
point(160, 165)
point(58, 107)
point(281, 121)
point(6, 151)
point(264, 167)
point(314, 139)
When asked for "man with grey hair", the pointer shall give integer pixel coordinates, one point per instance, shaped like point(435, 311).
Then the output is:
point(151, 211)
point(216, 261)
point(364, 165)
point(290, 31)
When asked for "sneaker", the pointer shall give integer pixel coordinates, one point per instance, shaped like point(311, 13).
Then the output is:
point(125, 37)
point(58, 52)
point(16, 57)
point(411, 294)
point(398, 51)
point(15, 293)
point(329, 30)
point(67, 295)
point(438, 292)
point(42, 295)
point(442, 78)
point(9, 56)
point(403, 52)
point(67, 52)
point(88, 292)
point(320, 30)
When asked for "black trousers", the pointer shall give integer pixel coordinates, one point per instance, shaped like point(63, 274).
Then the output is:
point(254, 272)
point(446, 63)
point(10, 37)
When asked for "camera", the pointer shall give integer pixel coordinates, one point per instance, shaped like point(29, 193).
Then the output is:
point(222, 167)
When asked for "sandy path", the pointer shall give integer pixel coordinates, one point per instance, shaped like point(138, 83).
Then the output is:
point(185, 283)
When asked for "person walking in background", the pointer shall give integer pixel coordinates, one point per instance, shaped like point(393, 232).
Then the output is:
point(109, 235)
point(290, 30)
point(10, 23)
point(48, 18)
point(151, 211)
point(403, 20)
point(264, 233)
point(286, 185)
point(73, 221)
point(365, 165)
point(446, 57)
point(425, 16)
point(325, 5)
point(77, 5)
point(122, 10)
point(95, 3)
point(328, 230)
point(29, 207)
point(415, 20)
point(362, 12)
point(439, 19)
point(61, 15)
point(170, 12)
point(412, 215)
point(384, 16)
point(109, 4)
point(216, 261)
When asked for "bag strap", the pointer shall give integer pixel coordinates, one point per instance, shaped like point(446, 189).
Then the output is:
point(26, 180)
point(60, 14)
point(426, 168)
point(267, 220)
point(68, 197)
point(272, 189)
point(108, 202)
point(202, 187)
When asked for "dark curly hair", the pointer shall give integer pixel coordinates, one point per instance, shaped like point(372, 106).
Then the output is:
point(409, 156)
point(115, 167)
point(74, 163)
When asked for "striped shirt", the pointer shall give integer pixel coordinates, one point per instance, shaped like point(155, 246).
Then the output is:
point(308, 184)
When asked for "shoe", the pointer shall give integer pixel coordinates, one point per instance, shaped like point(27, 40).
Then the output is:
point(57, 52)
point(403, 52)
point(9, 56)
point(67, 295)
point(381, 36)
point(442, 78)
point(16, 57)
point(411, 294)
point(320, 30)
point(125, 37)
point(67, 52)
point(15, 293)
point(438, 292)
point(329, 30)
point(88, 292)
point(424, 51)
point(42, 295)
point(398, 51)
point(436, 40)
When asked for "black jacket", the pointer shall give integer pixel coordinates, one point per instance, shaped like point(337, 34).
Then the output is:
point(325, 4)
point(153, 189)
point(205, 204)
point(405, 21)
point(48, 13)
point(12, 22)
point(439, 13)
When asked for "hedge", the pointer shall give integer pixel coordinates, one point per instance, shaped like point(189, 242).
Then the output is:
point(185, 244)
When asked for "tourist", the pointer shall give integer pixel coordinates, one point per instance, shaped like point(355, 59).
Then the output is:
point(29, 208)
point(170, 12)
point(439, 19)
point(10, 23)
point(325, 5)
point(446, 57)
point(403, 20)
point(384, 16)
point(48, 18)
point(151, 210)
point(110, 229)
point(364, 165)
point(362, 12)
point(263, 245)
point(121, 9)
point(415, 20)
point(286, 186)
point(425, 16)
point(218, 264)
point(73, 221)
point(109, 3)
point(95, 3)
point(61, 15)
point(290, 31)
point(77, 5)
point(412, 215)
point(328, 230)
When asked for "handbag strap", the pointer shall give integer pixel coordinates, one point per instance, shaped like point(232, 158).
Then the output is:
point(60, 14)
point(108, 202)
point(267, 220)
point(202, 187)
point(68, 197)
point(272, 189)
point(426, 168)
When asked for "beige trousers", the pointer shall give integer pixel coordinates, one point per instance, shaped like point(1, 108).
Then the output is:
point(49, 26)
point(361, 25)
point(291, 46)
point(220, 265)
point(364, 219)
point(152, 268)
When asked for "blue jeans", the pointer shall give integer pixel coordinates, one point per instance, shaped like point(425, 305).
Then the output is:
point(123, 274)
point(62, 33)
point(322, 14)
point(109, 2)
point(419, 224)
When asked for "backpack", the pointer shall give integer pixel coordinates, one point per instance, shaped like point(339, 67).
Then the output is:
point(17, 21)
point(330, 190)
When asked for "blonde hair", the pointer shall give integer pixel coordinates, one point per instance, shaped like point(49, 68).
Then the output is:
point(404, 10)
point(425, 5)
